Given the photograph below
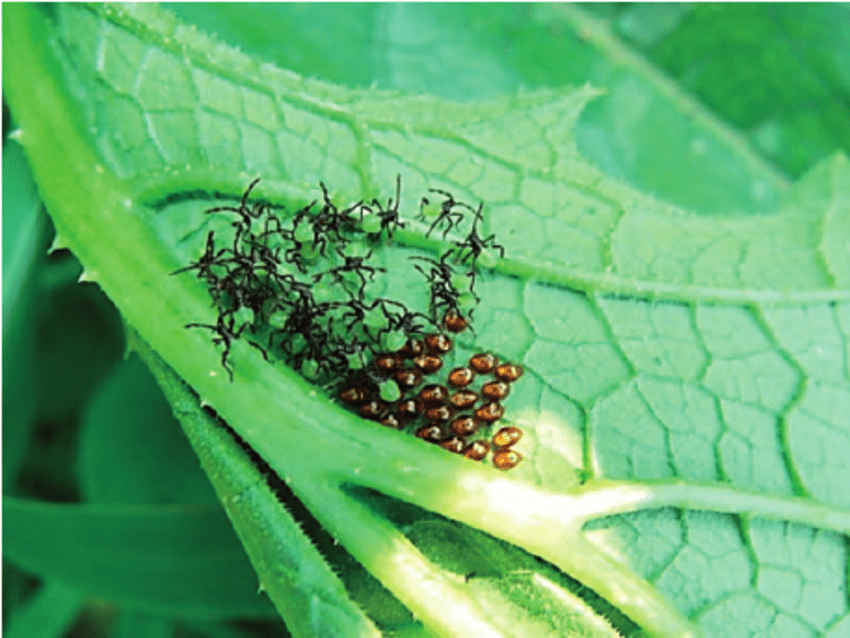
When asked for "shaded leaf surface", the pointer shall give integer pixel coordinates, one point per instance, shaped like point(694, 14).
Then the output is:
point(777, 72)
point(131, 447)
point(23, 230)
point(178, 556)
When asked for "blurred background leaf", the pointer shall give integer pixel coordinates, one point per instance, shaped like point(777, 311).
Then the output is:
point(777, 72)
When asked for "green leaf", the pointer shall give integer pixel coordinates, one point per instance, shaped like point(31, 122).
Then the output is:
point(775, 72)
point(686, 383)
point(184, 559)
point(131, 447)
point(132, 624)
point(291, 570)
point(48, 614)
point(23, 238)
point(648, 131)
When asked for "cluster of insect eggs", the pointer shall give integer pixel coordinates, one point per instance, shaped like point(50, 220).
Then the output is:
point(451, 418)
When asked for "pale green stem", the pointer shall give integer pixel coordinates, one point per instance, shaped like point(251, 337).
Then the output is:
point(438, 599)
point(633, 595)
point(605, 498)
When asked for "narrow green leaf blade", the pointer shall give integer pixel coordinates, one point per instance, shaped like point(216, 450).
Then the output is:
point(132, 450)
point(48, 614)
point(184, 559)
point(291, 570)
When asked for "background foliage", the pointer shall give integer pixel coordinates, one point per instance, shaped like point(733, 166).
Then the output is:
point(719, 109)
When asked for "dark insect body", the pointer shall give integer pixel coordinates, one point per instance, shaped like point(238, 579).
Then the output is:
point(448, 211)
point(445, 297)
point(389, 217)
point(477, 450)
point(463, 399)
point(495, 390)
point(209, 259)
point(395, 315)
point(465, 425)
point(490, 412)
point(506, 437)
point(508, 372)
point(483, 363)
point(329, 223)
point(438, 344)
point(243, 209)
point(355, 265)
point(432, 433)
point(473, 245)
point(227, 334)
point(461, 377)
point(429, 364)
point(433, 394)
point(506, 459)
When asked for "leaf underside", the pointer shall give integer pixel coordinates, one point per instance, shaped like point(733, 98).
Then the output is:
point(662, 347)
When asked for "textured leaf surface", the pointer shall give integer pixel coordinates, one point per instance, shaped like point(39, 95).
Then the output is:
point(692, 370)
point(646, 132)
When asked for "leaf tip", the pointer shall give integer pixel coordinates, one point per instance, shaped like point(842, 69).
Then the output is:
point(87, 275)
point(58, 243)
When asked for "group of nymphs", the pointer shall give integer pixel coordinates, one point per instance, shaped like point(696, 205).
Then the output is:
point(265, 282)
